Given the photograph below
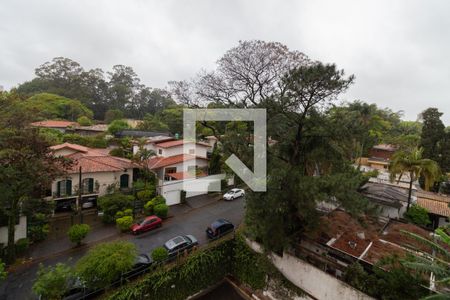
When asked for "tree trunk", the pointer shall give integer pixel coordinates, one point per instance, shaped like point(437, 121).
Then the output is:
point(11, 249)
point(409, 193)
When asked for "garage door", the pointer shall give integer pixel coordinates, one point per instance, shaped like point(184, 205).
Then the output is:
point(172, 197)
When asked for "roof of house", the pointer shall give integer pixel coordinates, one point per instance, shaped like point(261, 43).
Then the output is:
point(176, 143)
point(140, 133)
point(434, 203)
point(159, 161)
point(54, 124)
point(386, 147)
point(385, 194)
point(93, 160)
point(96, 127)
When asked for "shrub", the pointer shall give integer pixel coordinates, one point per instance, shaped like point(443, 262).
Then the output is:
point(124, 223)
point(22, 245)
point(3, 272)
point(159, 200)
point(38, 228)
point(117, 125)
point(84, 121)
point(145, 195)
point(161, 210)
point(159, 254)
point(52, 282)
point(128, 212)
point(78, 232)
point(113, 114)
point(105, 263)
point(112, 203)
point(148, 208)
point(417, 215)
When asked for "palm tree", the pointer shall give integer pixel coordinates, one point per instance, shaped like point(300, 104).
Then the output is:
point(437, 264)
point(411, 162)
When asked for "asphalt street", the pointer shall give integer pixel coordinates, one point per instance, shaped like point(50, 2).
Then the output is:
point(18, 284)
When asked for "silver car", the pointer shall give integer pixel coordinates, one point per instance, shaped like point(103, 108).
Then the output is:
point(180, 244)
point(233, 194)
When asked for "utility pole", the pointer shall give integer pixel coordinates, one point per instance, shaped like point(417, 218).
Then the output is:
point(80, 191)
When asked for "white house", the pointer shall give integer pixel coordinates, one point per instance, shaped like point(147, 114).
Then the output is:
point(175, 162)
point(99, 173)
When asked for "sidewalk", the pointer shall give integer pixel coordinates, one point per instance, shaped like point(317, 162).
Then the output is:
point(58, 242)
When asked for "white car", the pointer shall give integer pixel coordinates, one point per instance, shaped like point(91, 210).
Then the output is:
point(233, 194)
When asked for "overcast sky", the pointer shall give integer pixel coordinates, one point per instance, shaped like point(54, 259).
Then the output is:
point(398, 50)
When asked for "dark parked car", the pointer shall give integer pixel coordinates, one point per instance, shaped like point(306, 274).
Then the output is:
point(219, 228)
point(141, 264)
point(146, 224)
point(180, 244)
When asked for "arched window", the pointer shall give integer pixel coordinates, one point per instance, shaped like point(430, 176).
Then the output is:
point(124, 179)
point(64, 188)
point(88, 185)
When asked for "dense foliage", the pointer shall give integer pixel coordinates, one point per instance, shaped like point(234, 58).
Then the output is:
point(53, 282)
point(159, 254)
point(113, 203)
point(120, 89)
point(417, 215)
point(78, 232)
point(105, 263)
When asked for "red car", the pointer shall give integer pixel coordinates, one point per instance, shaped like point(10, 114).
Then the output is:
point(146, 224)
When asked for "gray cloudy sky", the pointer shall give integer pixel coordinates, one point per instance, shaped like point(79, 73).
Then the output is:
point(398, 50)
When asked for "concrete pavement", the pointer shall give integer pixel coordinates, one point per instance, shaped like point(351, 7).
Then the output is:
point(186, 221)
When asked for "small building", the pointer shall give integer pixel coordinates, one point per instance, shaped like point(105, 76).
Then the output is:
point(175, 162)
point(391, 199)
point(60, 125)
point(438, 207)
point(380, 156)
point(88, 130)
point(100, 173)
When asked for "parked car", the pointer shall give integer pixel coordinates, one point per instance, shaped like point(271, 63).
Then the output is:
point(219, 228)
point(141, 265)
point(180, 244)
point(146, 224)
point(233, 194)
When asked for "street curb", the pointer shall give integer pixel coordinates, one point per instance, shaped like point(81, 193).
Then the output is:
point(40, 259)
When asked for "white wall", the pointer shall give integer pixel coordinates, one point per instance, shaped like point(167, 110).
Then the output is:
point(200, 150)
point(104, 179)
point(312, 280)
point(21, 231)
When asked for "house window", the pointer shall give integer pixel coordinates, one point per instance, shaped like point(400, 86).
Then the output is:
point(64, 188)
point(160, 151)
point(124, 179)
point(88, 185)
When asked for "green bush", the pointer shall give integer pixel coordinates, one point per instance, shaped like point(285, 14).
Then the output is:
point(22, 245)
point(78, 232)
point(124, 223)
point(117, 125)
point(159, 200)
point(88, 141)
point(145, 195)
point(417, 215)
point(113, 114)
point(38, 227)
point(148, 208)
point(52, 282)
point(105, 263)
point(3, 272)
point(159, 254)
point(161, 210)
point(112, 203)
point(84, 121)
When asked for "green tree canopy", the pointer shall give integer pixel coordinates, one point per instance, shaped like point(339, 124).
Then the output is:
point(105, 263)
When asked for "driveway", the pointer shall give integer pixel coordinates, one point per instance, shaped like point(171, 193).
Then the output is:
point(18, 285)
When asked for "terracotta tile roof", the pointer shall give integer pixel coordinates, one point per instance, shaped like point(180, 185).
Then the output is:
point(178, 143)
point(440, 208)
point(54, 123)
point(93, 160)
point(159, 162)
point(74, 147)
